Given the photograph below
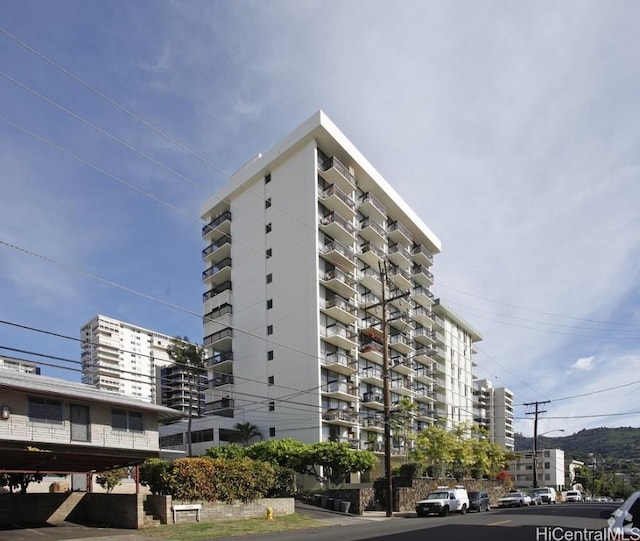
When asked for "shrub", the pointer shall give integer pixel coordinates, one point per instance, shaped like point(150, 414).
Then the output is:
point(154, 474)
point(284, 483)
point(191, 479)
point(241, 479)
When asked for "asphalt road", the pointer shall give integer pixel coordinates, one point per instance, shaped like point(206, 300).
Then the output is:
point(542, 523)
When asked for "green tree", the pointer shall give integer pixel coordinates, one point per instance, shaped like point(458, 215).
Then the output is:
point(154, 474)
point(111, 479)
point(402, 418)
point(288, 453)
point(337, 460)
point(191, 358)
point(19, 480)
point(435, 447)
point(232, 450)
point(245, 432)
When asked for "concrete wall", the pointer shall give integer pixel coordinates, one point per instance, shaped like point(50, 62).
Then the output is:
point(212, 511)
point(117, 510)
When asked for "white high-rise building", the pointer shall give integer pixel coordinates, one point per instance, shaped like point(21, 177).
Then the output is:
point(493, 410)
point(454, 339)
point(295, 248)
point(123, 358)
point(19, 365)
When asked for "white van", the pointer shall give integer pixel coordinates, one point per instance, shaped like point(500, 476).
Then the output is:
point(444, 500)
point(573, 496)
point(548, 494)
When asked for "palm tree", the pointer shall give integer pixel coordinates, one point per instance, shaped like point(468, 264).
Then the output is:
point(245, 432)
point(191, 358)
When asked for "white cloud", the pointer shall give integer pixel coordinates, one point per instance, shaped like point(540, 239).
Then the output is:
point(584, 363)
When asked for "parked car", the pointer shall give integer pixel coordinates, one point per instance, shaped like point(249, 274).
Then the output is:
point(624, 522)
point(536, 497)
point(515, 499)
point(479, 501)
point(548, 494)
point(573, 496)
point(444, 500)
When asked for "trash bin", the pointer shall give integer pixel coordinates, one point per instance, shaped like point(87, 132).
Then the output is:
point(344, 506)
point(330, 503)
point(324, 501)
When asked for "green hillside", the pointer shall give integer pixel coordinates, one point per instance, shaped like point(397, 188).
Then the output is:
point(619, 443)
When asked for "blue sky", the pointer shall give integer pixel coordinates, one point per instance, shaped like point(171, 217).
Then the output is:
point(512, 129)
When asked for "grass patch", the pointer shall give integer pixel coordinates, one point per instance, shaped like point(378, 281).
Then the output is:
point(194, 531)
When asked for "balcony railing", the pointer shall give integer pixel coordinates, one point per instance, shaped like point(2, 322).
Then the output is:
point(333, 414)
point(334, 163)
point(226, 262)
point(419, 250)
point(335, 246)
point(226, 215)
point(337, 192)
point(397, 226)
point(217, 336)
point(368, 198)
point(372, 397)
point(368, 222)
point(337, 274)
point(224, 286)
point(219, 243)
point(220, 357)
point(335, 218)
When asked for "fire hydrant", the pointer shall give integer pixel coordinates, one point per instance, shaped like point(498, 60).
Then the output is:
point(269, 513)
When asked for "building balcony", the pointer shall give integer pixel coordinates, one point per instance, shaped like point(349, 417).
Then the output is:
point(340, 363)
point(423, 336)
point(337, 227)
point(339, 309)
point(398, 233)
point(220, 248)
point(219, 272)
point(220, 340)
point(334, 172)
point(336, 200)
point(400, 277)
point(372, 374)
point(368, 299)
point(220, 380)
point(219, 359)
point(371, 254)
point(438, 322)
point(424, 375)
point(338, 254)
point(424, 394)
point(371, 328)
point(373, 423)
point(372, 232)
point(421, 255)
point(422, 296)
point(353, 442)
point(401, 321)
point(216, 302)
point(340, 282)
point(217, 290)
point(426, 414)
point(372, 351)
point(370, 278)
point(345, 417)
point(402, 365)
point(401, 386)
point(374, 400)
point(422, 316)
point(340, 335)
point(400, 256)
point(372, 208)
point(422, 275)
point(401, 343)
point(223, 407)
point(340, 391)
point(221, 224)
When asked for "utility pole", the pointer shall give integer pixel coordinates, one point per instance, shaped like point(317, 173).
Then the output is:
point(535, 437)
point(387, 386)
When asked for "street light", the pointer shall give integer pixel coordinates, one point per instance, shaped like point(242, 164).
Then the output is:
point(535, 454)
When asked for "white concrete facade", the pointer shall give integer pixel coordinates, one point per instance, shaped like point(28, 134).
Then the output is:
point(294, 244)
point(493, 410)
point(123, 358)
point(20, 365)
point(551, 469)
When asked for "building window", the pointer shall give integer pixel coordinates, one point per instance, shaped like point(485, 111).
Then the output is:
point(269, 278)
point(172, 440)
point(129, 421)
point(269, 329)
point(270, 355)
point(272, 406)
point(271, 380)
point(267, 178)
point(200, 436)
point(269, 304)
point(267, 203)
point(268, 228)
point(269, 253)
point(44, 410)
point(272, 431)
